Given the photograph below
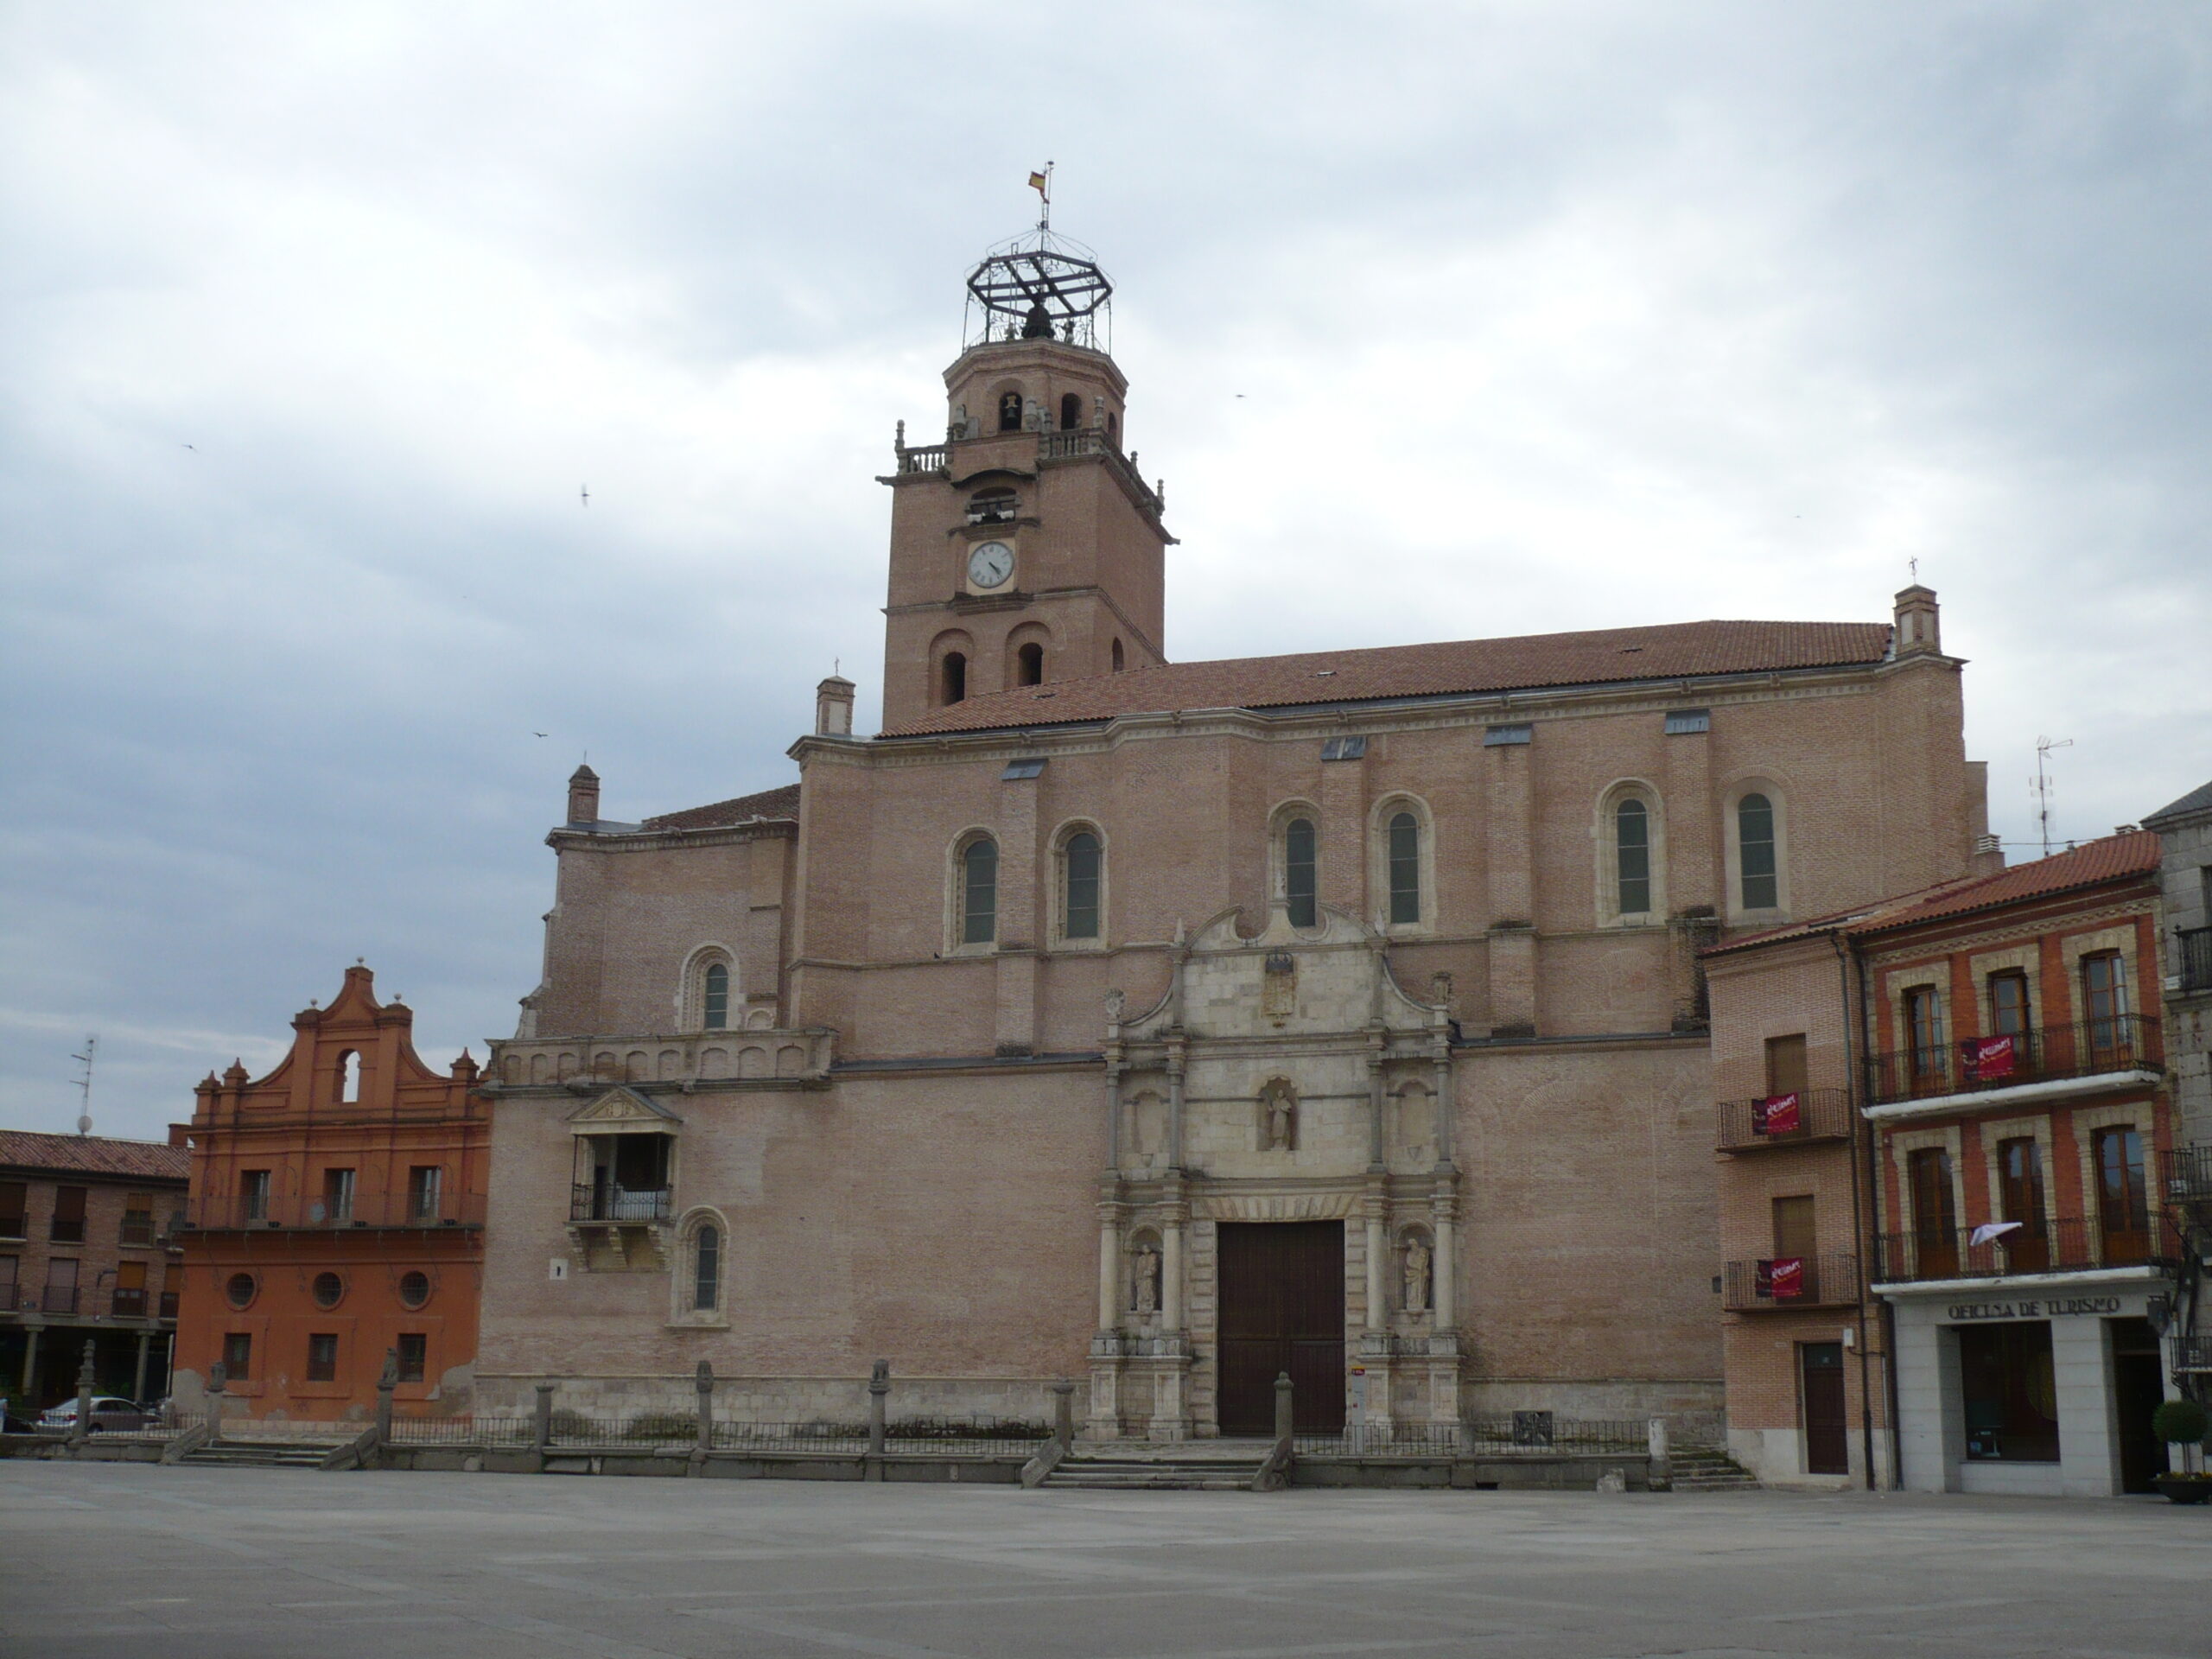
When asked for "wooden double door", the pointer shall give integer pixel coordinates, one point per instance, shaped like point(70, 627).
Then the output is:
point(1282, 1309)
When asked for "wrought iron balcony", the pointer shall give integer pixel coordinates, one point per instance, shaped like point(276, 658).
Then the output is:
point(129, 1305)
point(2068, 1245)
point(2187, 1172)
point(1808, 1116)
point(58, 1300)
point(2193, 1355)
point(1778, 1283)
point(2195, 959)
point(2087, 1048)
point(611, 1202)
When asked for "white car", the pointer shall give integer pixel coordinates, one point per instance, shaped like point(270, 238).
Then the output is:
point(108, 1412)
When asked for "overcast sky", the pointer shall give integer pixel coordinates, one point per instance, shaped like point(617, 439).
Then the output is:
point(1441, 322)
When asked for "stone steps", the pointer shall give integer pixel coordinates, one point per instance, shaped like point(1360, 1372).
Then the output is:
point(1209, 1469)
point(260, 1454)
point(1700, 1469)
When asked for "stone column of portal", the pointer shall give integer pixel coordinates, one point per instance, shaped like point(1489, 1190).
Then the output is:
point(1175, 1104)
point(1108, 1363)
point(1171, 1404)
point(1110, 1266)
point(1173, 1215)
point(1376, 1207)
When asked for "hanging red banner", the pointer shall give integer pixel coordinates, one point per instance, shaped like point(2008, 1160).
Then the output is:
point(1776, 1114)
point(1783, 1278)
point(1988, 1059)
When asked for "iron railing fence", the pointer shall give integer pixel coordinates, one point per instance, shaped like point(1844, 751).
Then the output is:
point(1783, 1282)
point(612, 1203)
point(1810, 1114)
point(2068, 1245)
point(318, 1212)
point(2192, 1354)
point(2196, 959)
point(2087, 1048)
point(2187, 1174)
point(464, 1431)
point(907, 1437)
point(1520, 1433)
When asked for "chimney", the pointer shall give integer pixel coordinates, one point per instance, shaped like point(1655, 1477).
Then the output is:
point(1919, 628)
point(833, 708)
point(583, 796)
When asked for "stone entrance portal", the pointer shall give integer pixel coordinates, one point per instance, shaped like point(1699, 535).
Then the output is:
point(1282, 1309)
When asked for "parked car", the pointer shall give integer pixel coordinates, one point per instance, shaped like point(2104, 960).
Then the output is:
point(108, 1412)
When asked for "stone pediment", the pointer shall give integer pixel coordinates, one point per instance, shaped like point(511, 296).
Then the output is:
point(1283, 982)
point(622, 1111)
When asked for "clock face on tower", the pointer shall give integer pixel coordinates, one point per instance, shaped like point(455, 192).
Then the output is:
point(991, 563)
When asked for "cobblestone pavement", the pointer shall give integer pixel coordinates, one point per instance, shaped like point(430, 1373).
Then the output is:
point(116, 1559)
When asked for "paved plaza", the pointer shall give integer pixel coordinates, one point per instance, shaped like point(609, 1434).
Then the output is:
point(112, 1560)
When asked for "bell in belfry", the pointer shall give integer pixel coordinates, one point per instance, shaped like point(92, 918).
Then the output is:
point(1039, 325)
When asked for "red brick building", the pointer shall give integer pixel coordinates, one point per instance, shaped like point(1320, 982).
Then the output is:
point(88, 1228)
point(337, 1214)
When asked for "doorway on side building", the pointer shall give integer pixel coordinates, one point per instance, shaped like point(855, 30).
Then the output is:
point(1819, 1398)
point(1282, 1309)
point(2139, 1384)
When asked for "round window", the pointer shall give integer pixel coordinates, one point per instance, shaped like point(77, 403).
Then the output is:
point(328, 1288)
point(415, 1288)
point(240, 1288)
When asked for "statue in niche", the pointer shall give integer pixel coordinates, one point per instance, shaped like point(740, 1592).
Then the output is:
point(1144, 1280)
point(1416, 1275)
point(1439, 990)
point(1278, 1118)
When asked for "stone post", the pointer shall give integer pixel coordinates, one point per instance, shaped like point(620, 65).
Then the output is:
point(703, 1384)
point(138, 1376)
point(878, 1392)
point(218, 1378)
point(84, 1424)
point(1064, 1414)
point(30, 1360)
point(1661, 1470)
point(387, 1380)
point(1285, 1417)
point(542, 1432)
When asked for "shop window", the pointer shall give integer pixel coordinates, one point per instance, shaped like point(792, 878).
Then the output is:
point(426, 1192)
point(2008, 1004)
point(1299, 867)
point(979, 892)
point(137, 1218)
point(1785, 1065)
point(1755, 853)
point(2019, 1197)
point(69, 1225)
point(706, 1267)
point(61, 1294)
point(237, 1355)
point(322, 1356)
point(128, 1301)
point(2010, 1393)
point(337, 1195)
point(714, 1006)
point(414, 1288)
point(1935, 1213)
point(2123, 1212)
point(1405, 867)
point(253, 1194)
point(1081, 863)
point(239, 1289)
point(413, 1348)
point(328, 1290)
point(1632, 857)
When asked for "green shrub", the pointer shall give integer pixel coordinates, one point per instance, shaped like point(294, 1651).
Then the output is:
point(2180, 1422)
point(661, 1426)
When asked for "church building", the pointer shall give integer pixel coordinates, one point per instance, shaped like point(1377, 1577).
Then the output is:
point(1170, 1025)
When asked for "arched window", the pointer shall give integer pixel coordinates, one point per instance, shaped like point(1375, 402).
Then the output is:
point(979, 892)
point(952, 678)
point(349, 1075)
point(1080, 865)
point(1299, 870)
point(1071, 411)
point(1010, 411)
point(1029, 664)
point(1405, 867)
point(1632, 857)
point(1113, 429)
point(1117, 656)
point(991, 507)
point(706, 1267)
point(714, 1003)
point(1755, 853)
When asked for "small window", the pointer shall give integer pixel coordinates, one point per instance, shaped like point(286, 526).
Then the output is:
point(2008, 1004)
point(979, 892)
point(15, 1208)
point(1405, 867)
point(1020, 771)
point(426, 1192)
point(1029, 664)
point(253, 1193)
point(414, 1351)
point(952, 678)
point(1118, 659)
point(237, 1355)
point(1343, 748)
point(349, 1075)
point(715, 1008)
point(1632, 850)
point(69, 1225)
point(706, 1267)
point(238, 1289)
point(1080, 868)
point(1507, 737)
point(1755, 850)
point(1924, 1018)
point(137, 1218)
point(1071, 411)
point(322, 1356)
point(1683, 722)
point(1009, 411)
point(337, 1195)
point(1299, 862)
point(329, 1290)
point(414, 1288)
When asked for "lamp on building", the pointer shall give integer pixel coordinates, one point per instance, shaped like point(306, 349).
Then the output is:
point(2158, 1310)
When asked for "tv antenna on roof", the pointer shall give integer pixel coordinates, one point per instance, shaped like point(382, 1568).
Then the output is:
point(84, 1084)
point(2042, 785)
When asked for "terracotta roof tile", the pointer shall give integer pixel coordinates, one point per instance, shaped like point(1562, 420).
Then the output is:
point(2112, 859)
point(780, 802)
point(1603, 656)
point(94, 1155)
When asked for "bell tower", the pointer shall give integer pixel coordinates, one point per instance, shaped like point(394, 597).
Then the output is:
point(1025, 547)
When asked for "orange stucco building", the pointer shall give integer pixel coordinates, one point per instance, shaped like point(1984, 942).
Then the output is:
point(336, 1216)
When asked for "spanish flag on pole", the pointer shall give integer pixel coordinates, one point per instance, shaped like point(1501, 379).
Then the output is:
point(1037, 182)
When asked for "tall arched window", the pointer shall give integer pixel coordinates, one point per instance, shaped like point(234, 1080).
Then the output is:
point(1405, 867)
point(706, 1267)
point(979, 892)
point(952, 680)
point(1029, 662)
point(1299, 871)
point(714, 1006)
point(1755, 853)
point(1009, 411)
point(1071, 411)
point(1117, 656)
point(1632, 856)
point(349, 1075)
point(1080, 862)
point(1113, 429)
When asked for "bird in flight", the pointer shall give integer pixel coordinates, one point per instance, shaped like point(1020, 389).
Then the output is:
point(194, 447)
point(585, 495)
point(538, 734)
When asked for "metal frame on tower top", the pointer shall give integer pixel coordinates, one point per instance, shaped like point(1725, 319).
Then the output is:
point(1040, 286)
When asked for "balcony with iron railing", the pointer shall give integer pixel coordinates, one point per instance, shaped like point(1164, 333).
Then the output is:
point(318, 1213)
point(2195, 959)
point(1806, 1117)
point(128, 1304)
point(2186, 1173)
point(607, 1202)
point(1779, 1283)
point(62, 1299)
point(2193, 1355)
point(2116, 1045)
point(2068, 1245)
